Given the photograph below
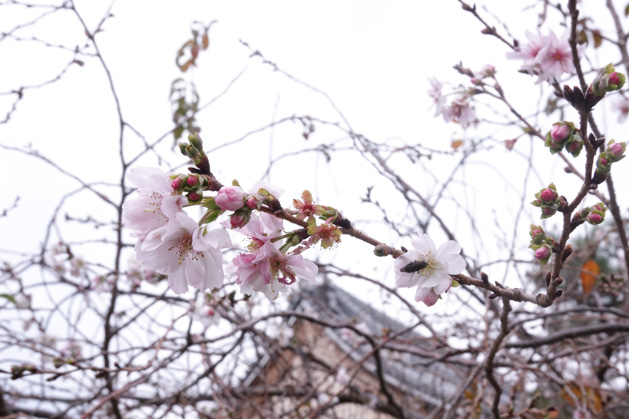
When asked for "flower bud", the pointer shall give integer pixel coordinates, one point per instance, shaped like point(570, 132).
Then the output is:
point(560, 132)
point(194, 196)
point(594, 218)
point(616, 149)
point(252, 202)
point(548, 211)
point(195, 141)
point(574, 145)
point(607, 80)
point(177, 183)
point(614, 79)
point(192, 180)
point(237, 221)
point(230, 198)
point(548, 195)
point(542, 253)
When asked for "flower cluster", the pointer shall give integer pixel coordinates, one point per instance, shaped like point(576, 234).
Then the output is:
point(548, 200)
point(541, 244)
point(459, 110)
point(564, 134)
point(267, 267)
point(594, 215)
point(613, 153)
point(607, 80)
point(545, 55)
point(169, 241)
point(429, 268)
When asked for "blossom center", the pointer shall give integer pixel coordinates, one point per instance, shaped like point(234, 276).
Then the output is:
point(433, 265)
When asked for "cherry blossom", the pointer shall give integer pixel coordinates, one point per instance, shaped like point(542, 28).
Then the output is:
point(432, 277)
point(545, 55)
point(187, 253)
point(155, 202)
point(269, 271)
point(438, 98)
point(460, 111)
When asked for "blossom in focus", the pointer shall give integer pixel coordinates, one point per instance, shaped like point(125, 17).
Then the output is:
point(187, 253)
point(155, 201)
point(269, 271)
point(261, 229)
point(306, 208)
point(434, 278)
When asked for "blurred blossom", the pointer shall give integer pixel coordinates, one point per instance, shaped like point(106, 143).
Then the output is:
point(439, 100)
point(205, 312)
point(622, 106)
point(545, 55)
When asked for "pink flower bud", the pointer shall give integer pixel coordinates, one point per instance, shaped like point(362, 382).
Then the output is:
point(560, 132)
point(230, 198)
point(192, 180)
point(616, 149)
point(548, 195)
point(536, 232)
point(548, 211)
point(194, 196)
point(594, 218)
point(603, 162)
point(542, 253)
point(613, 78)
point(252, 202)
point(176, 183)
point(237, 221)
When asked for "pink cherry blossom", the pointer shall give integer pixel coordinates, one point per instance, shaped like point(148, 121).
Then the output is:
point(556, 58)
point(439, 100)
point(269, 271)
point(187, 253)
point(622, 106)
point(528, 52)
point(460, 111)
point(434, 278)
point(261, 228)
point(154, 204)
point(545, 55)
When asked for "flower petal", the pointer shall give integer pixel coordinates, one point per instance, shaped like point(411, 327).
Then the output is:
point(447, 248)
point(424, 245)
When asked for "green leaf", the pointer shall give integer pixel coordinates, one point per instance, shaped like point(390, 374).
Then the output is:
point(9, 297)
point(178, 132)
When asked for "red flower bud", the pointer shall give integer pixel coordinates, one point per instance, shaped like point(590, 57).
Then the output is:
point(613, 78)
point(192, 180)
point(176, 183)
point(548, 195)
